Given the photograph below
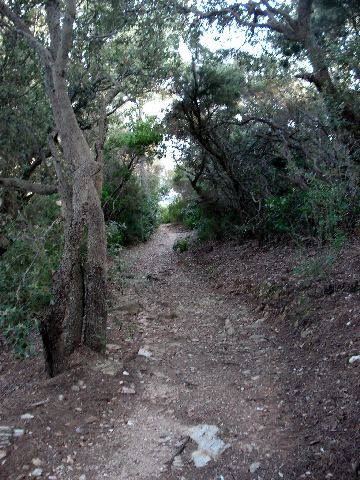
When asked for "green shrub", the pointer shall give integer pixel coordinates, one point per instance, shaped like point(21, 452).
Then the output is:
point(182, 244)
point(175, 212)
point(26, 269)
point(115, 235)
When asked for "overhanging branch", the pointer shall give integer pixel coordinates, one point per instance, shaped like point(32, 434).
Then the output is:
point(29, 186)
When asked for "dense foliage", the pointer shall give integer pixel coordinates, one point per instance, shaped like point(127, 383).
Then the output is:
point(267, 132)
point(266, 148)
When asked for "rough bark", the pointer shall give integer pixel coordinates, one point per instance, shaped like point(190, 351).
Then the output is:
point(95, 305)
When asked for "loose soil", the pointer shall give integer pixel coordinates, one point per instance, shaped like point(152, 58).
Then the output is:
point(229, 336)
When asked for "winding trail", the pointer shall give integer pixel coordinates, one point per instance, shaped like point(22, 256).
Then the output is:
point(209, 364)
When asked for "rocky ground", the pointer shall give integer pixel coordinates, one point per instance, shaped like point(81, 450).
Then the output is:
point(222, 363)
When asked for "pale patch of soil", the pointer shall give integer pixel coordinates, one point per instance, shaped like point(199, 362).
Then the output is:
point(236, 341)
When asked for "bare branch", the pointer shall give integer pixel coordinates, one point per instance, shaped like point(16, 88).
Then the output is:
point(28, 186)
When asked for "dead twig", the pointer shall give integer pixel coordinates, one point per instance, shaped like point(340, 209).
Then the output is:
point(178, 452)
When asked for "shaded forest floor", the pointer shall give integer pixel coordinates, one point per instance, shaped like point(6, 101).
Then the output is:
point(221, 335)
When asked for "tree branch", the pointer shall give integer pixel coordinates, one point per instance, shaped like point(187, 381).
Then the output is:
point(66, 35)
point(28, 186)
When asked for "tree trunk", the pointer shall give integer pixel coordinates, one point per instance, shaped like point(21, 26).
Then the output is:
point(95, 298)
point(53, 326)
point(144, 175)
point(74, 319)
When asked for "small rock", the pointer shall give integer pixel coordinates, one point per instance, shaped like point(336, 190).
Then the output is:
point(82, 477)
point(254, 467)
point(79, 430)
point(75, 388)
point(109, 368)
point(58, 434)
point(144, 353)
point(125, 372)
point(26, 468)
point(18, 432)
point(126, 390)
point(27, 416)
point(229, 328)
point(36, 462)
point(112, 346)
point(178, 461)
point(37, 472)
point(91, 419)
point(3, 454)
point(69, 460)
point(305, 333)
point(61, 398)
point(353, 359)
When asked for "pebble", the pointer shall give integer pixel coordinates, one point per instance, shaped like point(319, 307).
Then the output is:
point(112, 346)
point(109, 368)
point(82, 477)
point(36, 462)
point(144, 353)
point(61, 398)
point(79, 430)
point(127, 390)
point(75, 388)
point(27, 416)
point(3, 454)
point(91, 419)
point(254, 466)
point(19, 432)
point(37, 472)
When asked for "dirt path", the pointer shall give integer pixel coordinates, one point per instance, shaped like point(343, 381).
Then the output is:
point(195, 387)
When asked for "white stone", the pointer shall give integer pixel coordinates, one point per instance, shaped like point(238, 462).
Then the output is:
point(210, 447)
point(27, 416)
point(254, 466)
point(354, 358)
point(144, 353)
point(112, 346)
point(37, 472)
point(127, 390)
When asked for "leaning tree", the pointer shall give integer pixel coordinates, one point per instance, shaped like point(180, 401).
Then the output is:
point(91, 67)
